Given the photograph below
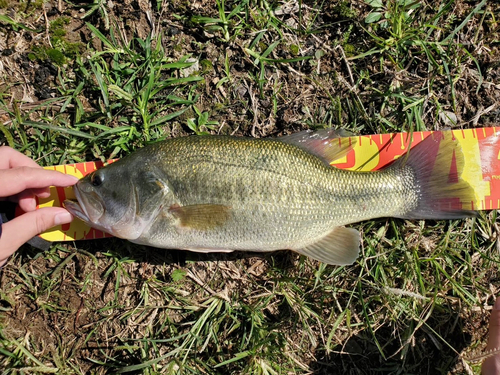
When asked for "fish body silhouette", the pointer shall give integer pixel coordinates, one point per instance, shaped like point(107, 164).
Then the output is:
point(220, 193)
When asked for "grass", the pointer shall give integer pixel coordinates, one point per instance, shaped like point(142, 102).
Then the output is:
point(414, 301)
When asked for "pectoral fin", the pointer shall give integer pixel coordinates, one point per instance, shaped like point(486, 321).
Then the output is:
point(339, 247)
point(201, 216)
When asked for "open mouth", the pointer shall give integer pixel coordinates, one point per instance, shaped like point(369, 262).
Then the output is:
point(74, 207)
point(87, 208)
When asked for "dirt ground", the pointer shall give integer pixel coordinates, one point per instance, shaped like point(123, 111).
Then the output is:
point(31, 81)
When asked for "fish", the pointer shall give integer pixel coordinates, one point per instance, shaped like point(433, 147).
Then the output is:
point(225, 193)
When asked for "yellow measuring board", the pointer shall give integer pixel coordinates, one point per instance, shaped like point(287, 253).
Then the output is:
point(481, 148)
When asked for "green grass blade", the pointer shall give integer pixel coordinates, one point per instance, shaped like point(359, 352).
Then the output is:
point(58, 129)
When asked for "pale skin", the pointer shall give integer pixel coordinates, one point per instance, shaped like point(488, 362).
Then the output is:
point(21, 180)
point(491, 365)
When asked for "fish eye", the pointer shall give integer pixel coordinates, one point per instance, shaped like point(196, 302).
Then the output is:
point(96, 179)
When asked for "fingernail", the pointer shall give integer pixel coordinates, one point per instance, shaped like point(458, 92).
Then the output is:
point(75, 179)
point(63, 218)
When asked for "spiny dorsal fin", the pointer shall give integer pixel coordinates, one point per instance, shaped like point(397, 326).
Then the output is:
point(201, 216)
point(327, 144)
point(339, 247)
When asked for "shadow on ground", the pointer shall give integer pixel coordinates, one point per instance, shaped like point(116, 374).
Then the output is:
point(434, 356)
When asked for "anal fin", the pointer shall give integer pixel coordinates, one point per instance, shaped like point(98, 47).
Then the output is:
point(339, 247)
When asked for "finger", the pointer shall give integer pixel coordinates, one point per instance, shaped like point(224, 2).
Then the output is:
point(26, 201)
point(42, 192)
point(16, 232)
point(17, 180)
point(491, 365)
point(494, 338)
point(10, 158)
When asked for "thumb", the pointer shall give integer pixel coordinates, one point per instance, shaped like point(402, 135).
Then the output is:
point(21, 229)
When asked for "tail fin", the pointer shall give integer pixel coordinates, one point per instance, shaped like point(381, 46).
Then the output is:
point(437, 164)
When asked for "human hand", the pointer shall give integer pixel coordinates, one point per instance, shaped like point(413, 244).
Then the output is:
point(491, 365)
point(21, 180)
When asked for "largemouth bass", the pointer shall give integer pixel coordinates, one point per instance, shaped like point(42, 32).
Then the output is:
point(220, 193)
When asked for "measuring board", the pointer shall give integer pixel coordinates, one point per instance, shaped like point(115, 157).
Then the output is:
point(481, 149)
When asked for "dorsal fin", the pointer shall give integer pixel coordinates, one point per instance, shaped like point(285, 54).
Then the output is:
point(327, 144)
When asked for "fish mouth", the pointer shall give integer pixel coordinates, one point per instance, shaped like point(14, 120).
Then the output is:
point(88, 208)
point(75, 209)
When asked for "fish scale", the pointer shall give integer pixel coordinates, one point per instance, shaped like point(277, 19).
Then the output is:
point(219, 193)
point(261, 194)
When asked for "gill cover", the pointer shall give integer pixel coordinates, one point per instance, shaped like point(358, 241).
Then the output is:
point(119, 202)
